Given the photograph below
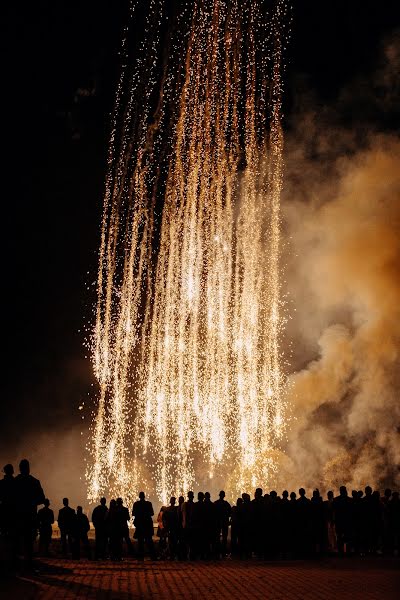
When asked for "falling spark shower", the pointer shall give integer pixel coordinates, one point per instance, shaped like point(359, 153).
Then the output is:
point(186, 341)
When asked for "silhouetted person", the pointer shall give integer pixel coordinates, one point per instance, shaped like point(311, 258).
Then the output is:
point(387, 536)
point(142, 512)
point(45, 522)
point(371, 517)
point(377, 520)
point(246, 527)
point(188, 525)
point(80, 529)
point(222, 513)
point(29, 495)
point(285, 531)
point(172, 526)
point(304, 523)
point(293, 514)
point(182, 551)
point(330, 523)
point(211, 541)
point(8, 523)
point(356, 522)
point(342, 515)
point(162, 533)
point(235, 526)
point(258, 522)
point(199, 527)
point(318, 529)
point(272, 525)
point(65, 522)
point(125, 517)
point(394, 521)
point(114, 531)
point(99, 520)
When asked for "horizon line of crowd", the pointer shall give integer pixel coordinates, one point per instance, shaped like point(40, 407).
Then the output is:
point(268, 526)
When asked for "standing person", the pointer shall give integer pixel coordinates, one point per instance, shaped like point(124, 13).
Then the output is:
point(125, 517)
point(198, 527)
point(285, 525)
point(342, 515)
point(99, 520)
point(45, 522)
point(143, 513)
point(329, 518)
point(394, 520)
point(246, 527)
point(29, 495)
point(387, 529)
point(293, 514)
point(66, 516)
point(171, 525)
point(318, 534)
point(223, 514)
point(356, 522)
point(80, 529)
point(210, 528)
point(304, 523)
point(162, 533)
point(235, 525)
point(258, 523)
point(114, 530)
point(181, 538)
point(188, 526)
point(8, 521)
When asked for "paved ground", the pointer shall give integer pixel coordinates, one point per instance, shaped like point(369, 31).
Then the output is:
point(346, 579)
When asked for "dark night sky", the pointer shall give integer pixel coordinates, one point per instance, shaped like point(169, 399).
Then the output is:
point(55, 141)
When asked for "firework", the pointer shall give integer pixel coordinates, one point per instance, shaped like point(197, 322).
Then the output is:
point(186, 342)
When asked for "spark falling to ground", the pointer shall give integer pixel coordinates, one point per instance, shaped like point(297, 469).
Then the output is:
point(186, 343)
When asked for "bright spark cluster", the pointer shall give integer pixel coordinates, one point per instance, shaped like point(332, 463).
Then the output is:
point(186, 342)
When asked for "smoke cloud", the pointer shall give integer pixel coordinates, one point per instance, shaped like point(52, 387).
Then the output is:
point(342, 225)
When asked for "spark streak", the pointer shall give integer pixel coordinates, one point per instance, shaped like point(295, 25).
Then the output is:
point(186, 342)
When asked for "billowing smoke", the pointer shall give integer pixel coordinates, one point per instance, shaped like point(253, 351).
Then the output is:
point(342, 222)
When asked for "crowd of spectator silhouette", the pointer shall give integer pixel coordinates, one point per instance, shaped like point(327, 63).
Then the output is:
point(268, 526)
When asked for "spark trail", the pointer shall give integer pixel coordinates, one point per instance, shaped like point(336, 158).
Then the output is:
point(186, 342)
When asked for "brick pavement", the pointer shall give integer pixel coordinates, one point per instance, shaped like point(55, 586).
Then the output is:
point(347, 579)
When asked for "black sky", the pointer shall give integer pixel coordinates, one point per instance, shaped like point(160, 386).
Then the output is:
point(60, 65)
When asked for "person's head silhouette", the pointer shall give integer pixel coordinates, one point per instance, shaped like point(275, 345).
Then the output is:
point(190, 495)
point(302, 492)
point(172, 501)
point(293, 495)
point(65, 501)
point(142, 495)
point(200, 496)
point(222, 494)
point(8, 470)
point(46, 503)
point(258, 493)
point(79, 510)
point(103, 501)
point(285, 494)
point(24, 467)
point(343, 491)
point(181, 499)
point(330, 495)
point(207, 496)
point(368, 490)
